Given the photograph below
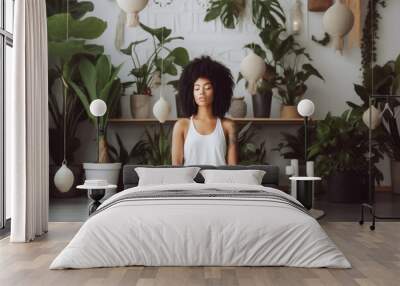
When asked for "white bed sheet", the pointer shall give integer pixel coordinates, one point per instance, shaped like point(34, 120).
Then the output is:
point(200, 232)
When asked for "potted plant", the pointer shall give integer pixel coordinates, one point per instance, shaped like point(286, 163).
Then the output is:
point(99, 80)
point(147, 74)
point(384, 80)
point(249, 152)
point(65, 49)
point(292, 66)
point(341, 149)
point(267, 16)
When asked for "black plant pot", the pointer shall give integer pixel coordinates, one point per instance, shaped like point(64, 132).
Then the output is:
point(179, 106)
point(262, 104)
point(77, 170)
point(348, 187)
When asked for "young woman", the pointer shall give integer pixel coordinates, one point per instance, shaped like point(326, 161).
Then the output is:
point(205, 137)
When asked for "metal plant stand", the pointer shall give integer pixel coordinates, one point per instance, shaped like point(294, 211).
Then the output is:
point(370, 205)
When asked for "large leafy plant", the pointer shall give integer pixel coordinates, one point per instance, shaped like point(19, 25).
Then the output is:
point(293, 146)
point(341, 144)
point(66, 44)
point(249, 152)
point(383, 80)
point(99, 80)
point(265, 13)
point(162, 60)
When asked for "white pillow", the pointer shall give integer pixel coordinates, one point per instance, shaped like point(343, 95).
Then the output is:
point(248, 177)
point(166, 176)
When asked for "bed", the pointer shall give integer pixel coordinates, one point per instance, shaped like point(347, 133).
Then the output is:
point(199, 224)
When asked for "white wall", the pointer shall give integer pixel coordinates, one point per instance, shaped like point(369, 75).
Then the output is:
point(185, 18)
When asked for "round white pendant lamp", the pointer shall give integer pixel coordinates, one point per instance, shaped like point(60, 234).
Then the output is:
point(252, 69)
point(132, 9)
point(338, 21)
point(98, 107)
point(372, 120)
point(161, 108)
point(306, 108)
point(64, 178)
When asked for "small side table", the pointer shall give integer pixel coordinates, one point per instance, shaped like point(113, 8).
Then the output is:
point(305, 194)
point(96, 193)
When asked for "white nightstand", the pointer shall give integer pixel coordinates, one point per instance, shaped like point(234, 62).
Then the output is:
point(304, 193)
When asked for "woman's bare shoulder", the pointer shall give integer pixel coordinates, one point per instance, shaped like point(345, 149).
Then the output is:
point(182, 124)
point(228, 124)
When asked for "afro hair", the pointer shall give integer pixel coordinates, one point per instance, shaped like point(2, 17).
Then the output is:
point(220, 78)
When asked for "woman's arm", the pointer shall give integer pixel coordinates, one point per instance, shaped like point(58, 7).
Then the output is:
point(232, 153)
point(178, 142)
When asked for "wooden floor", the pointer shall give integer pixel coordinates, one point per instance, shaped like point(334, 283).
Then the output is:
point(375, 257)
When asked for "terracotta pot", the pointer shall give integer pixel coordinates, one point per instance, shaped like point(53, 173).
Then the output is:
point(395, 172)
point(238, 107)
point(140, 105)
point(289, 112)
point(319, 5)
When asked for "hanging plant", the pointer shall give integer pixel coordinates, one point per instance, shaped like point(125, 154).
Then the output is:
point(229, 12)
point(370, 35)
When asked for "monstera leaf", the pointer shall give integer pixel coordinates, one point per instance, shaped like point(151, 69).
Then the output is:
point(75, 8)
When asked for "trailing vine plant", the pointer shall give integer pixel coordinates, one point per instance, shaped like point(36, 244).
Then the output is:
point(370, 35)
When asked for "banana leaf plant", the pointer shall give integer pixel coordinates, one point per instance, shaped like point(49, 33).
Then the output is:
point(163, 60)
point(64, 53)
point(99, 81)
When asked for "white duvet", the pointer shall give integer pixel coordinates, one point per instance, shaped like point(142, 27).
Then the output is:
point(206, 231)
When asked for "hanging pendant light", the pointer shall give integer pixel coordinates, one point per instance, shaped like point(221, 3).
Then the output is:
point(296, 17)
point(64, 178)
point(338, 21)
point(132, 9)
point(252, 69)
point(161, 108)
point(372, 120)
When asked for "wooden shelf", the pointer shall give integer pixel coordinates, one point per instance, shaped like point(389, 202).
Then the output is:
point(261, 121)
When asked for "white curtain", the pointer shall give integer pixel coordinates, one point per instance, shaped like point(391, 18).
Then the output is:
point(27, 145)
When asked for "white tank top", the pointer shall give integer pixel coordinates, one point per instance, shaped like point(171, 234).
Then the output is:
point(207, 149)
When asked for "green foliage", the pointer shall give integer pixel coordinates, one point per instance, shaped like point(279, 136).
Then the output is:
point(75, 8)
point(99, 80)
point(265, 13)
point(64, 55)
point(144, 72)
point(157, 146)
point(288, 65)
point(341, 144)
point(249, 152)
point(229, 12)
point(268, 14)
point(293, 145)
point(370, 35)
point(383, 80)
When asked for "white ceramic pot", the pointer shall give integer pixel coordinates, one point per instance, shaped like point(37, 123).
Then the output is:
point(338, 21)
point(103, 171)
point(140, 105)
point(132, 9)
point(125, 103)
point(252, 68)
